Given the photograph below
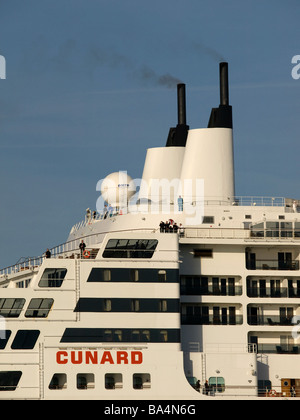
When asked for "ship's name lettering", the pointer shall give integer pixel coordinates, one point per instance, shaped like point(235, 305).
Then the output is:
point(94, 357)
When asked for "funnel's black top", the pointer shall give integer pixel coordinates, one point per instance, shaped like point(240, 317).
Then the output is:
point(222, 116)
point(178, 135)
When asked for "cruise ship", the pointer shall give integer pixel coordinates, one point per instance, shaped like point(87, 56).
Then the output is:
point(173, 288)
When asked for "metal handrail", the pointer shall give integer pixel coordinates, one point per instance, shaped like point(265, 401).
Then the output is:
point(64, 248)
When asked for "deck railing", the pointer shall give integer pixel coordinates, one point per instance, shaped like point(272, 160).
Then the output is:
point(68, 249)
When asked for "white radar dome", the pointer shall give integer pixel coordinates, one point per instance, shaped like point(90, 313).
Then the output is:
point(117, 189)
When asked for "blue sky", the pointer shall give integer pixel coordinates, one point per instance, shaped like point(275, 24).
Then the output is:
point(91, 84)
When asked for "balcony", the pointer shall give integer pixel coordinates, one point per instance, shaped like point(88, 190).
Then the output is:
point(271, 320)
point(211, 320)
point(278, 349)
point(272, 292)
point(291, 265)
point(210, 290)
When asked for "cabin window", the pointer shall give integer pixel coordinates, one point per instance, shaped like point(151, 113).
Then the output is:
point(208, 220)
point(85, 381)
point(39, 308)
point(141, 381)
point(127, 305)
point(58, 381)
point(9, 380)
point(204, 253)
point(216, 384)
point(25, 339)
point(53, 277)
point(113, 381)
point(100, 335)
point(130, 248)
point(142, 275)
point(11, 308)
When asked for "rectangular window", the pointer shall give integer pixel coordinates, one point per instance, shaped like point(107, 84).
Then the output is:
point(217, 384)
point(127, 305)
point(113, 381)
point(99, 335)
point(141, 381)
point(204, 253)
point(142, 275)
point(208, 220)
point(130, 248)
point(11, 308)
point(39, 308)
point(53, 277)
point(85, 381)
point(25, 339)
point(9, 380)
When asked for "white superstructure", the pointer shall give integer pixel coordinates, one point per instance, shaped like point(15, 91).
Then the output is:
point(144, 311)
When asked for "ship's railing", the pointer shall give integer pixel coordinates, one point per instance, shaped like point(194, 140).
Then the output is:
point(242, 233)
point(234, 391)
point(215, 233)
point(68, 249)
point(208, 201)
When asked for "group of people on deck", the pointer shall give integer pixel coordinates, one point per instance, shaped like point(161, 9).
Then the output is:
point(171, 227)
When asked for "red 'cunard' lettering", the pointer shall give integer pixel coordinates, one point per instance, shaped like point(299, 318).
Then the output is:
point(59, 357)
point(136, 357)
point(107, 357)
point(122, 356)
point(74, 360)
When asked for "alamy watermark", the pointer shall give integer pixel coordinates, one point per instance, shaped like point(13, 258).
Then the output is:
point(158, 196)
point(2, 67)
point(296, 68)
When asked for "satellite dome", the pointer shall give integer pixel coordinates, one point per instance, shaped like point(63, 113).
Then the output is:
point(117, 189)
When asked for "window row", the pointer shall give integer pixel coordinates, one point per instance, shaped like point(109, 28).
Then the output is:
point(269, 315)
point(9, 381)
point(231, 286)
point(100, 335)
point(37, 308)
point(274, 288)
point(207, 315)
point(130, 248)
point(208, 285)
point(144, 275)
point(112, 381)
point(274, 343)
point(276, 230)
point(127, 305)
